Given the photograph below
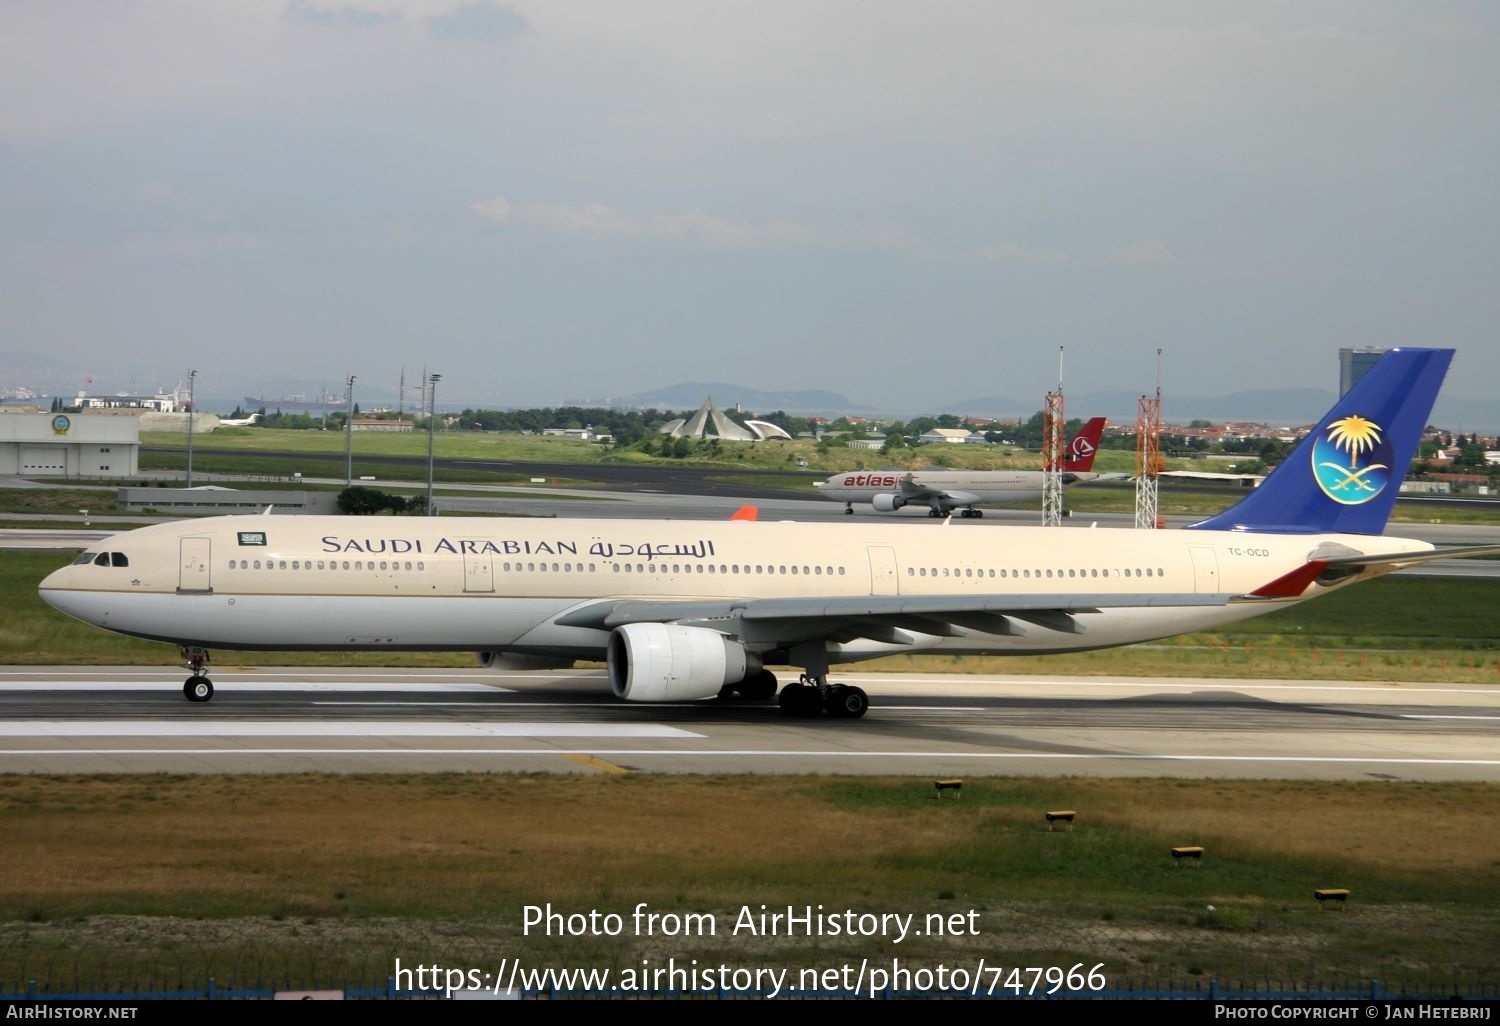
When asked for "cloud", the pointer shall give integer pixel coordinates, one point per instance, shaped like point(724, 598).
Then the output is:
point(692, 226)
point(338, 14)
point(1151, 251)
point(1010, 251)
point(482, 22)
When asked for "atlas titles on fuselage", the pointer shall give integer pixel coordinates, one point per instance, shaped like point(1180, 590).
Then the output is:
point(870, 481)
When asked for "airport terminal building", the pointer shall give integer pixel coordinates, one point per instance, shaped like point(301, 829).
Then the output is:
point(69, 445)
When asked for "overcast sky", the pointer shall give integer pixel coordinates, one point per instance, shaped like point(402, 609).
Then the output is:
point(910, 203)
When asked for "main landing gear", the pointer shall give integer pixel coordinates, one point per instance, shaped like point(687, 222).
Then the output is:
point(197, 688)
point(813, 695)
point(756, 687)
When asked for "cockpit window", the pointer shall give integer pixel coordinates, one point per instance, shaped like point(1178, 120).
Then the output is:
point(102, 559)
point(86, 558)
point(118, 559)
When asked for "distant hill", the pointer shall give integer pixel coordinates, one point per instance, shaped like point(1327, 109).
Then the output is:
point(690, 396)
point(1277, 406)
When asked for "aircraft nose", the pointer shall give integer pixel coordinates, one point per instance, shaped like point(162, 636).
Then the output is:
point(55, 584)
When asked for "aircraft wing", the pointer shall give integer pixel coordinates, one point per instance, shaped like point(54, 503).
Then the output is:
point(877, 617)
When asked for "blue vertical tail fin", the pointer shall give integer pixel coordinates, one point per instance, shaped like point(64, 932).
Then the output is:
point(1344, 476)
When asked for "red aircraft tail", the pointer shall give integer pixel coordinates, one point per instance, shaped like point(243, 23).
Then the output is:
point(1079, 459)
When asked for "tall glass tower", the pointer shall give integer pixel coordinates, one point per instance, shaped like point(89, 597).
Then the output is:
point(1354, 364)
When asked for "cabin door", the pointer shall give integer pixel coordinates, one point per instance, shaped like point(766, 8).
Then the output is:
point(194, 564)
point(882, 569)
point(1205, 570)
point(479, 572)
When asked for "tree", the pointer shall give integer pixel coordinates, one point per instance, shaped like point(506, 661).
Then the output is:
point(359, 501)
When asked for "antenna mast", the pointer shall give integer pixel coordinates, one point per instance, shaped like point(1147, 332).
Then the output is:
point(1148, 461)
point(1053, 443)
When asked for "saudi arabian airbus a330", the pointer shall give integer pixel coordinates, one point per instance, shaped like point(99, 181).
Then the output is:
point(683, 610)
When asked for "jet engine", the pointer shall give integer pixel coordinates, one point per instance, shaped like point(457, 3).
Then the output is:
point(886, 502)
point(660, 662)
point(512, 661)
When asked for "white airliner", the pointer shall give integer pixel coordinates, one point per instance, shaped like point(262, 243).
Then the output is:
point(942, 490)
point(240, 421)
point(684, 610)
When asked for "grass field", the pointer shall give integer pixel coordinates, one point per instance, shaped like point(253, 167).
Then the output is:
point(331, 878)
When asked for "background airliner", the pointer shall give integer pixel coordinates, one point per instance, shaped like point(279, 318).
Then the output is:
point(942, 490)
point(683, 610)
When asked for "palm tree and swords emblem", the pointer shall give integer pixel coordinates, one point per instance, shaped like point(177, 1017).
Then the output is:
point(1336, 460)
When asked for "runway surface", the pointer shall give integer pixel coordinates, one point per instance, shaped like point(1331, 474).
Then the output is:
point(134, 720)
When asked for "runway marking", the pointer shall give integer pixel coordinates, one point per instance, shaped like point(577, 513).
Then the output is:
point(235, 687)
point(353, 728)
point(1234, 683)
point(1439, 716)
point(756, 753)
point(599, 764)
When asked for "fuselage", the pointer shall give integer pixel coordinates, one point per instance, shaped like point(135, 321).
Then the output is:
point(975, 485)
point(316, 582)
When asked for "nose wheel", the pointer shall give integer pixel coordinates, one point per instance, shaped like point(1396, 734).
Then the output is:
point(197, 688)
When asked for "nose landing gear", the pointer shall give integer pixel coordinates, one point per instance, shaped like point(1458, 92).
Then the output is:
point(197, 688)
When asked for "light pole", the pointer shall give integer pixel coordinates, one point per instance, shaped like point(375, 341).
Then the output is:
point(192, 380)
point(349, 431)
point(432, 380)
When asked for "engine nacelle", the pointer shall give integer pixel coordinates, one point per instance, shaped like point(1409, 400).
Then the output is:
point(512, 661)
point(661, 662)
point(885, 502)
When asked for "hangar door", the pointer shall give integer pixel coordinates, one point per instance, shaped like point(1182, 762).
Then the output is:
point(44, 459)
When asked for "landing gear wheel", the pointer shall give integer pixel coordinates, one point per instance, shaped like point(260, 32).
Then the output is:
point(936, 513)
point(799, 700)
point(198, 689)
point(759, 687)
point(847, 702)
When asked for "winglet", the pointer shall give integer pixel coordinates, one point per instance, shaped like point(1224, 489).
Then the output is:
point(746, 513)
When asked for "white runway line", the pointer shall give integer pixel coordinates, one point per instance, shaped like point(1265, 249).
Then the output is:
point(779, 754)
point(239, 685)
point(353, 728)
